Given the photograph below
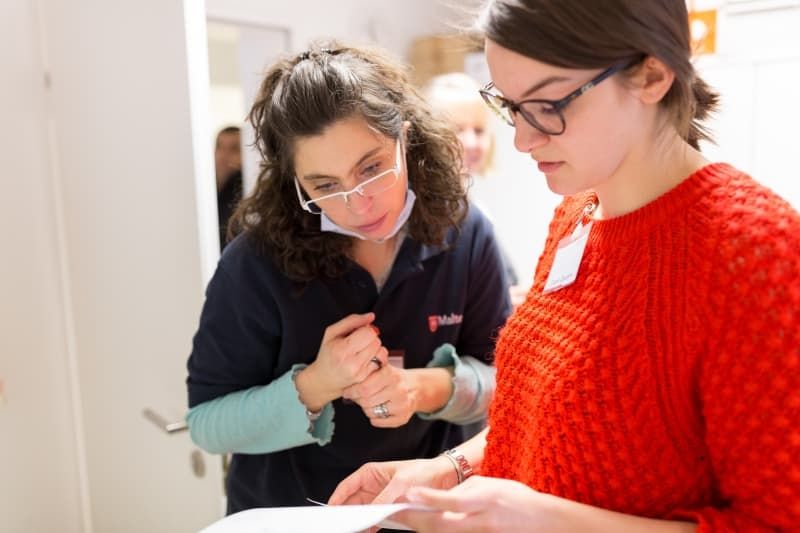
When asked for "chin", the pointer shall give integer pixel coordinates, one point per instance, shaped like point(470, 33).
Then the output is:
point(562, 189)
point(380, 232)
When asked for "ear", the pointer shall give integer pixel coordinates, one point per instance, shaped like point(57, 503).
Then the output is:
point(652, 79)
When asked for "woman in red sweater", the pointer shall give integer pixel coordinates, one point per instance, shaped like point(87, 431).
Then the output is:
point(656, 388)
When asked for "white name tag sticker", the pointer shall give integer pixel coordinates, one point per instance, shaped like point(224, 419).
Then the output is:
point(567, 261)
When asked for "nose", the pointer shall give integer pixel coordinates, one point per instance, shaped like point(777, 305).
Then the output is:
point(526, 137)
point(357, 203)
point(469, 139)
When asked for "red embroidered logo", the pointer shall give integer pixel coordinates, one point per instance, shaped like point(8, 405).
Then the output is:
point(435, 321)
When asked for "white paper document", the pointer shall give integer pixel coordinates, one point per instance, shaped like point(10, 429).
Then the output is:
point(322, 519)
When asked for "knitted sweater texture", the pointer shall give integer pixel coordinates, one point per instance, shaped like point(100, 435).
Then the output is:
point(664, 382)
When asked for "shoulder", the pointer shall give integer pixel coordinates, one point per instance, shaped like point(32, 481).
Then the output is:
point(476, 221)
point(751, 220)
point(244, 256)
point(475, 232)
point(246, 267)
point(755, 250)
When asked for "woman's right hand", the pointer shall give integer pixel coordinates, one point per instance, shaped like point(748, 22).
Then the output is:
point(344, 358)
point(389, 481)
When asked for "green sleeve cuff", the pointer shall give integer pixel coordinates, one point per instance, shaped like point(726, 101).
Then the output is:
point(473, 387)
point(320, 429)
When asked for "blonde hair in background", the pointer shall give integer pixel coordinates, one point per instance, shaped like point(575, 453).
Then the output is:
point(452, 90)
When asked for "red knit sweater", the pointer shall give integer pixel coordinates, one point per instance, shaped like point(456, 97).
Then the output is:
point(665, 382)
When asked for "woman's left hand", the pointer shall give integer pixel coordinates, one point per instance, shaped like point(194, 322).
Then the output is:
point(481, 504)
point(388, 396)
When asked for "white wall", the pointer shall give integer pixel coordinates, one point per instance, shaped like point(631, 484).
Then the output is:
point(391, 24)
point(39, 476)
point(121, 106)
point(756, 68)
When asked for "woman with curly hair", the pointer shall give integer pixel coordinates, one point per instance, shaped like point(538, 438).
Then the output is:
point(352, 318)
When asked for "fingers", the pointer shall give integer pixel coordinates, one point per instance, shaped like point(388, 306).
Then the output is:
point(347, 490)
point(393, 491)
point(434, 522)
point(388, 414)
point(458, 500)
point(362, 339)
point(367, 360)
point(347, 325)
point(419, 521)
point(347, 353)
point(357, 349)
point(376, 381)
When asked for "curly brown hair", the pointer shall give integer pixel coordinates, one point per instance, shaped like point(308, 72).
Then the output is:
point(300, 97)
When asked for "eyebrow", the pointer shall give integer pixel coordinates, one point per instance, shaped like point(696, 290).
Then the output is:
point(545, 82)
point(311, 177)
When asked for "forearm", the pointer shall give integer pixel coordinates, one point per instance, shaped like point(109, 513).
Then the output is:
point(569, 515)
point(473, 449)
point(433, 387)
point(311, 389)
point(472, 387)
point(258, 420)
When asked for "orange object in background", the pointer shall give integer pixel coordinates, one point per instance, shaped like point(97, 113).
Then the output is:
point(703, 27)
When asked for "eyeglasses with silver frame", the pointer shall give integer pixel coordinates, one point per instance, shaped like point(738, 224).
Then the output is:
point(368, 188)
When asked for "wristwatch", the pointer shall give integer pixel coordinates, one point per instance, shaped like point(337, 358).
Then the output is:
point(460, 463)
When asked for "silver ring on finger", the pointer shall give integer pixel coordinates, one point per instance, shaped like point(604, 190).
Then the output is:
point(381, 411)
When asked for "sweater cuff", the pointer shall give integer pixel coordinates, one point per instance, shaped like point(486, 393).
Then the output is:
point(320, 429)
point(473, 387)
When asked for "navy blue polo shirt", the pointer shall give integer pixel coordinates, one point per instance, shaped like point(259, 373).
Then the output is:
point(256, 324)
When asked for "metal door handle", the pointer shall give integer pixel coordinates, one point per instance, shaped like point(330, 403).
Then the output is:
point(161, 422)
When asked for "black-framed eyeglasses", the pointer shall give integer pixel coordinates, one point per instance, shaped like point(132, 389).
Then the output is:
point(544, 115)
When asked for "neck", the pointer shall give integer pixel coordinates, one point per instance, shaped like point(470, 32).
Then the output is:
point(649, 171)
point(371, 255)
point(376, 258)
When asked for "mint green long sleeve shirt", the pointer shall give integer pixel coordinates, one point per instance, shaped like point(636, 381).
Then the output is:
point(271, 417)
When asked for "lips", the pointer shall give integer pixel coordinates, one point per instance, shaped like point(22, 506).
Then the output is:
point(372, 226)
point(547, 167)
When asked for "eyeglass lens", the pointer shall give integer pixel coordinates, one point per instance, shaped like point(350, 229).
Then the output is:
point(541, 115)
point(372, 187)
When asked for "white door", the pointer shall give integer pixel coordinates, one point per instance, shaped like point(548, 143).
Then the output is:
point(40, 482)
point(134, 208)
point(755, 127)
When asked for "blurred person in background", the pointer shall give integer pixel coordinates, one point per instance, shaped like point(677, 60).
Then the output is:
point(456, 96)
point(228, 165)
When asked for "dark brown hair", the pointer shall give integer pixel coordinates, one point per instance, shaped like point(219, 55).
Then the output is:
point(597, 34)
point(300, 97)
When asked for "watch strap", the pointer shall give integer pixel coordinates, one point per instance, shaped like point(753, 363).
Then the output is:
point(460, 463)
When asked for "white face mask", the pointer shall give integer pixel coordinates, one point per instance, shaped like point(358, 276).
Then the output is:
point(326, 224)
